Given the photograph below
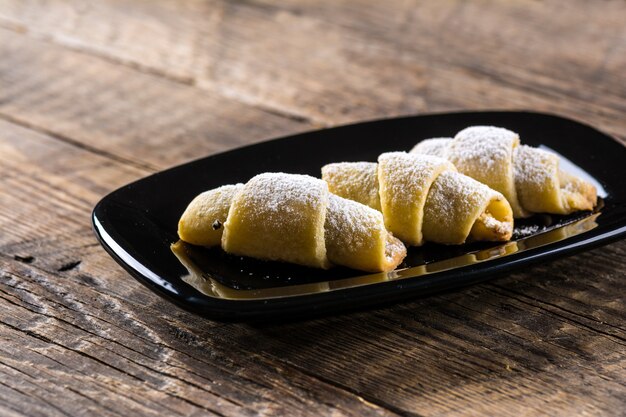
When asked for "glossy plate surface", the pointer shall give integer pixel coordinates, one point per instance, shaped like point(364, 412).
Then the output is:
point(137, 223)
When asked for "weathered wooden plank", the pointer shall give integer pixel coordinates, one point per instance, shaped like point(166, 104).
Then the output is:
point(164, 34)
point(523, 41)
point(90, 330)
point(341, 61)
point(549, 340)
point(134, 376)
point(139, 118)
point(152, 123)
point(473, 351)
point(485, 349)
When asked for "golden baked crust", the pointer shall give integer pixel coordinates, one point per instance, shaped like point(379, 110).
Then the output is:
point(544, 188)
point(459, 207)
point(485, 153)
point(279, 216)
point(404, 182)
point(201, 223)
point(540, 186)
point(356, 237)
point(423, 198)
point(357, 181)
point(292, 218)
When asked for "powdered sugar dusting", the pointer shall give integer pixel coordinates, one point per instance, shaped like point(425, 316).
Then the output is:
point(533, 165)
point(462, 184)
point(356, 181)
point(336, 168)
point(525, 231)
point(455, 204)
point(351, 224)
point(450, 185)
point(409, 172)
point(501, 228)
point(393, 248)
point(267, 193)
point(484, 146)
point(434, 146)
point(356, 236)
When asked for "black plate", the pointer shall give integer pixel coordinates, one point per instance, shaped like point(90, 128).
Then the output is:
point(137, 223)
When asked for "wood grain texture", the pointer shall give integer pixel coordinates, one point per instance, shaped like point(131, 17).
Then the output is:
point(94, 95)
point(343, 61)
point(73, 314)
point(105, 106)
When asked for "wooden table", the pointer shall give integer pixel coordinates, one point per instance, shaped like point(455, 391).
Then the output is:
point(94, 95)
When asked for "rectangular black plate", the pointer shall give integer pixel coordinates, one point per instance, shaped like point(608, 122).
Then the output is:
point(137, 223)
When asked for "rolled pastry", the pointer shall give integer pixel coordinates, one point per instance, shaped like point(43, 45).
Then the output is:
point(528, 177)
point(291, 218)
point(201, 223)
point(423, 198)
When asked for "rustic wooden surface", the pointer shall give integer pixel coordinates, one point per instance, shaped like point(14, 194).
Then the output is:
point(96, 94)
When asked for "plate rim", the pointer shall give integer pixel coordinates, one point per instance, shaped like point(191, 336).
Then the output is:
point(230, 310)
